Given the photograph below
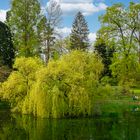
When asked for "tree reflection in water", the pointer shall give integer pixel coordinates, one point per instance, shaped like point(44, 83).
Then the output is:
point(17, 127)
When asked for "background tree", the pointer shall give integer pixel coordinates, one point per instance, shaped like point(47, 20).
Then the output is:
point(23, 19)
point(134, 24)
point(7, 51)
point(48, 28)
point(42, 33)
point(79, 34)
point(63, 45)
point(116, 23)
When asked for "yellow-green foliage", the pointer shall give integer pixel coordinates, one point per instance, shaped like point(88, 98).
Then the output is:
point(18, 85)
point(125, 69)
point(64, 88)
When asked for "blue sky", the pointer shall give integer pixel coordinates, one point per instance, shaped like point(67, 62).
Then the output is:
point(92, 9)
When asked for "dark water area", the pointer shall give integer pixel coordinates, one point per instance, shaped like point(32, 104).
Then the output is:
point(125, 126)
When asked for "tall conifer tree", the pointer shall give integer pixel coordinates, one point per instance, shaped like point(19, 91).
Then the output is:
point(79, 34)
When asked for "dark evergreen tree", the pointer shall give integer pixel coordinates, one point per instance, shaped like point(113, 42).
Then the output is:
point(79, 34)
point(7, 51)
point(106, 53)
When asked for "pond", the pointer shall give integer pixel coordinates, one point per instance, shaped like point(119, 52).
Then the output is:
point(125, 126)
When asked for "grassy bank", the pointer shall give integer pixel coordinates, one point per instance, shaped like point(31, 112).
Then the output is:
point(116, 106)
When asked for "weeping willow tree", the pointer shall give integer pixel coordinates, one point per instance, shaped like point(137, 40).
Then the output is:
point(65, 88)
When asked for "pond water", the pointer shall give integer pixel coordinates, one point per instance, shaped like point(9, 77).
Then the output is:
point(125, 126)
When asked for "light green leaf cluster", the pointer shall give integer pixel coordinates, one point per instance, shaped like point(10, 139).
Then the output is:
point(125, 69)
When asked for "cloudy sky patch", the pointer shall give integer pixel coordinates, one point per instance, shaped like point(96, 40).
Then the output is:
point(3, 15)
point(87, 7)
point(66, 31)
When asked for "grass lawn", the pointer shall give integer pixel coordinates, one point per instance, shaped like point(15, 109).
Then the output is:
point(117, 104)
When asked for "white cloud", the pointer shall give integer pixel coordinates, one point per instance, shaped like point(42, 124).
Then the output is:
point(87, 7)
point(66, 31)
point(92, 37)
point(75, 1)
point(97, 1)
point(3, 15)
